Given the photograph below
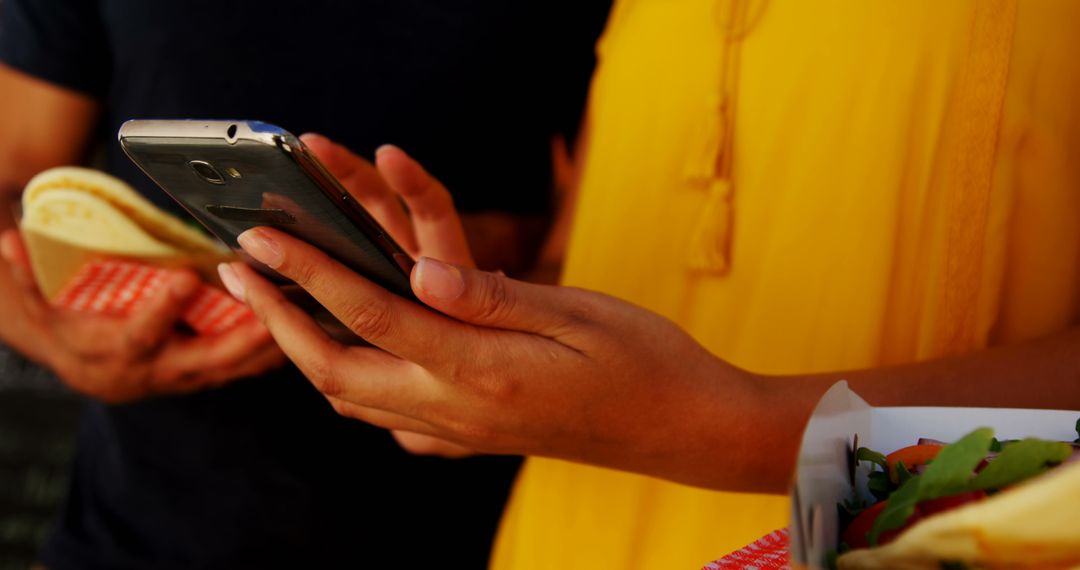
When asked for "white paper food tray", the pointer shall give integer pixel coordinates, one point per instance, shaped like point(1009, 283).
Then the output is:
point(823, 479)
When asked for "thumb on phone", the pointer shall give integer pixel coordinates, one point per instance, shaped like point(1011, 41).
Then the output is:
point(494, 300)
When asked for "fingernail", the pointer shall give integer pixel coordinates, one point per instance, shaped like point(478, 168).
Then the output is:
point(385, 148)
point(231, 280)
point(261, 247)
point(308, 137)
point(441, 281)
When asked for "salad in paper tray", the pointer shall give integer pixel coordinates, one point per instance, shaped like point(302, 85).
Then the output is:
point(936, 487)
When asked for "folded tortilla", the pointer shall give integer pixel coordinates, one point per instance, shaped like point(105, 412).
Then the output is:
point(72, 216)
point(1033, 525)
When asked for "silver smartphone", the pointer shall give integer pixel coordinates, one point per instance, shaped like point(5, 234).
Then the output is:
point(235, 175)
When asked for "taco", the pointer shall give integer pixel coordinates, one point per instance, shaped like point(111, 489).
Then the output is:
point(74, 216)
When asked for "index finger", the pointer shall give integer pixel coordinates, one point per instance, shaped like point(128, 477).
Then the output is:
point(392, 323)
point(383, 382)
point(364, 183)
point(437, 225)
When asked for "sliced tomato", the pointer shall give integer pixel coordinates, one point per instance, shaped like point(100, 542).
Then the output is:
point(912, 456)
point(855, 535)
point(934, 506)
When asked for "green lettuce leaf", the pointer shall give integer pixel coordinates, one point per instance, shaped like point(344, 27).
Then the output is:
point(951, 470)
point(1019, 461)
point(867, 454)
point(902, 473)
point(948, 474)
point(901, 505)
point(879, 485)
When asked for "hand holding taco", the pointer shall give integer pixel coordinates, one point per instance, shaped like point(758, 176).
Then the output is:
point(73, 218)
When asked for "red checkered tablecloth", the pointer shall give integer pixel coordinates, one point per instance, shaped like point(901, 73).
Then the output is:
point(769, 552)
point(119, 287)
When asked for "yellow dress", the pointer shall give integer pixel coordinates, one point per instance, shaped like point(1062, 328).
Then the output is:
point(900, 180)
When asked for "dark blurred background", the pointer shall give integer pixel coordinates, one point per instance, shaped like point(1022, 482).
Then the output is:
point(38, 417)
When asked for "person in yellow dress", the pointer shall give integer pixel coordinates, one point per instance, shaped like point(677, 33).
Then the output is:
point(863, 135)
point(882, 192)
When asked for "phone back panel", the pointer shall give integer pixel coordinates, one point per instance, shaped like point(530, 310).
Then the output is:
point(261, 175)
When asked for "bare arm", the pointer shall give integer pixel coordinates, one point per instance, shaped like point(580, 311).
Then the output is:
point(41, 126)
point(567, 373)
point(1043, 373)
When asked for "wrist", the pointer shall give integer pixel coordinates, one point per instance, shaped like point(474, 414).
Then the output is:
point(748, 430)
point(786, 403)
point(759, 437)
point(708, 431)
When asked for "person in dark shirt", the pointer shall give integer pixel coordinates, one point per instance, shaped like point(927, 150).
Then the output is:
point(251, 474)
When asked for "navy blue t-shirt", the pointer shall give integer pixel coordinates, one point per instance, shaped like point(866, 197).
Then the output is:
point(262, 473)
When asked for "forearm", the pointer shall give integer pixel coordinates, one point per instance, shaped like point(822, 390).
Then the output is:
point(41, 126)
point(736, 432)
point(751, 436)
point(1043, 373)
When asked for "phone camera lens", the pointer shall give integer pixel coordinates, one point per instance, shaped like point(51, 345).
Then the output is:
point(206, 172)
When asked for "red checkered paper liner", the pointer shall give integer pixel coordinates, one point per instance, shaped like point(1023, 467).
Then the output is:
point(769, 552)
point(119, 287)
